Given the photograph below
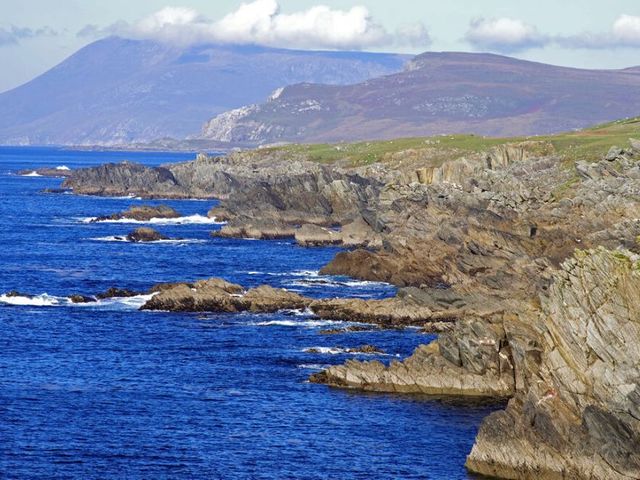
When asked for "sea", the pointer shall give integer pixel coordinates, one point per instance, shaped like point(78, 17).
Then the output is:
point(103, 390)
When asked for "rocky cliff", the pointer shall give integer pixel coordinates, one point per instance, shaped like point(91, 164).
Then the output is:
point(527, 256)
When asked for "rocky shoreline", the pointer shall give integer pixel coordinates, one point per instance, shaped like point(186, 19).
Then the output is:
point(529, 260)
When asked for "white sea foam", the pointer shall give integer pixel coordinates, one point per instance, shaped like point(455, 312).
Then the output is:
point(312, 366)
point(298, 323)
point(340, 351)
point(188, 220)
point(31, 174)
point(43, 300)
point(122, 238)
point(63, 167)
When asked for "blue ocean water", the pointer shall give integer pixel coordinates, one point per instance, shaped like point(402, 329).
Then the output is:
point(107, 391)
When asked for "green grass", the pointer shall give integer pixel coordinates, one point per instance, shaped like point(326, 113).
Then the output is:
point(588, 144)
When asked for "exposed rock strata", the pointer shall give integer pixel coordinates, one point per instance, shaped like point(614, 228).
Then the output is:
point(578, 413)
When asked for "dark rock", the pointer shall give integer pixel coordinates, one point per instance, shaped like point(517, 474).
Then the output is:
point(117, 293)
point(145, 234)
point(81, 299)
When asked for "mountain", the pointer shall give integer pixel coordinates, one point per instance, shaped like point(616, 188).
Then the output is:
point(123, 91)
point(438, 93)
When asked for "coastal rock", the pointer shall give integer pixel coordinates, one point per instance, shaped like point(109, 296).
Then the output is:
point(258, 230)
point(76, 298)
point(141, 213)
point(126, 178)
point(314, 235)
point(53, 172)
point(145, 234)
point(577, 415)
point(217, 295)
point(389, 313)
point(470, 361)
point(114, 292)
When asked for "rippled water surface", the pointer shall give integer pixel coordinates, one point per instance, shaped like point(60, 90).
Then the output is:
point(107, 391)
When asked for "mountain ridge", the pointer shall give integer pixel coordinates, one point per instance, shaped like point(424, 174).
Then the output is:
point(120, 91)
point(438, 93)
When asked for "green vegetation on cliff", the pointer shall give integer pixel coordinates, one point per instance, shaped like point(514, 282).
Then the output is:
point(587, 144)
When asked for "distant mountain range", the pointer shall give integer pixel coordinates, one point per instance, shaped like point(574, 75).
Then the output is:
point(118, 91)
point(130, 92)
point(438, 93)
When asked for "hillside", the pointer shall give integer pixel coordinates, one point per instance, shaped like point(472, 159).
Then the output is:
point(439, 93)
point(117, 91)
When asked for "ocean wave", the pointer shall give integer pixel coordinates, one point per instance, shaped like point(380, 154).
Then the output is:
point(45, 300)
point(341, 351)
point(121, 238)
point(188, 220)
point(63, 168)
point(312, 366)
point(298, 323)
point(31, 174)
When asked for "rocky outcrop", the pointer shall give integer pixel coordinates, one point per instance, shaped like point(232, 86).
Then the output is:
point(53, 172)
point(141, 213)
point(126, 178)
point(145, 235)
point(472, 361)
point(577, 414)
point(217, 295)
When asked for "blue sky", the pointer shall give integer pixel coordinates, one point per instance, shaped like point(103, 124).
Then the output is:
point(37, 34)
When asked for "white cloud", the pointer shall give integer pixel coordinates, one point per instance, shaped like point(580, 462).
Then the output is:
point(262, 22)
point(625, 32)
point(504, 35)
point(13, 35)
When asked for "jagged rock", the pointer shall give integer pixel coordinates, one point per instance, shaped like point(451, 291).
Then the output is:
point(141, 213)
point(391, 312)
point(217, 295)
point(145, 234)
point(126, 178)
point(577, 412)
point(260, 230)
point(455, 364)
point(635, 144)
point(614, 153)
point(314, 235)
point(349, 329)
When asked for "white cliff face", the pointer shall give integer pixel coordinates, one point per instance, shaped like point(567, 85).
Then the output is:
point(221, 128)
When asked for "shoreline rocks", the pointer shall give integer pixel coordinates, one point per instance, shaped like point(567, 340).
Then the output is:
point(217, 295)
point(141, 213)
point(51, 172)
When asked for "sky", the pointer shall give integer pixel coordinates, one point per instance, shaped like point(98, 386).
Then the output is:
point(35, 35)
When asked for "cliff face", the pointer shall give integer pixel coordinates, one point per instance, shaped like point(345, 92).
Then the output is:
point(578, 413)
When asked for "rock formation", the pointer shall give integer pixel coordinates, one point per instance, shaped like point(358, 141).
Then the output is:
point(141, 213)
point(144, 235)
